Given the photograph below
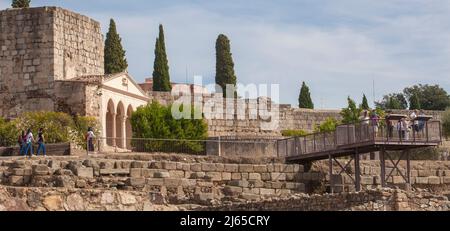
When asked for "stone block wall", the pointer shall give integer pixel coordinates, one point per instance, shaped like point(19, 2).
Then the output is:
point(424, 174)
point(175, 182)
point(39, 46)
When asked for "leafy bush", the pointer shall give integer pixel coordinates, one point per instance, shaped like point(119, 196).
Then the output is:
point(329, 125)
point(294, 133)
point(156, 121)
point(58, 127)
point(446, 123)
point(8, 135)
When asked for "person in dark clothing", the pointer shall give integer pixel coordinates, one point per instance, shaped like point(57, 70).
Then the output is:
point(22, 143)
point(90, 139)
point(41, 141)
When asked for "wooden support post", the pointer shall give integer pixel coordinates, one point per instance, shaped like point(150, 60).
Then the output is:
point(330, 162)
point(357, 172)
point(383, 167)
point(408, 169)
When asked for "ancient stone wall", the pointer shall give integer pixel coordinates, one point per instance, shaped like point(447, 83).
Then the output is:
point(424, 174)
point(371, 200)
point(39, 46)
point(246, 120)
point(175, 182)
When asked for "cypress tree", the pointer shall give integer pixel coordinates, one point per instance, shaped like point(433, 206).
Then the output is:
point(365, 104)
point(115, 60)
point(21, 3)
point(161, 77)
point(304, 100)
point(414, 102)
point(224, 64)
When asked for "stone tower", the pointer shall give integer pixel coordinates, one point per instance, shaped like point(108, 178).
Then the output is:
point(39, 46)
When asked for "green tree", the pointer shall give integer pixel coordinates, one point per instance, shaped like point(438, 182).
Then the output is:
point(161, 76)
point(351, 113)
point(414, 102)
point(393, 101)
point(225, 74)
point(431, 97)
point(365, 103)
point(156, 121)
point(115, 60)
point(446, 123)
point(304, 99)
point(21, 3)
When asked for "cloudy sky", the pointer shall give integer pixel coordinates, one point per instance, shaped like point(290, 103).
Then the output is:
point(338, 47)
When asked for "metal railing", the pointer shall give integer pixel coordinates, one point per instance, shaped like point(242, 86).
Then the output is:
point(213, 146)
point(348, 135)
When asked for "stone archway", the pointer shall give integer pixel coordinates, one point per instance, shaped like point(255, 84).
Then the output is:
point(120, 125)
point(129, 131)
point(110, 124)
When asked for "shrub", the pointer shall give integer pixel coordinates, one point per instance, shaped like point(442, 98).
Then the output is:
point(329, 125)
point(294, 133)
point(446, 123)
point(156, 121)
point(8, 134)
point(58, 127)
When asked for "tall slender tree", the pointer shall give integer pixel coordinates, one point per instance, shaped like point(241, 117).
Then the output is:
point(304, 99)
point(21, 3)
point(161, 76)
point(365, 103)
point(225, 74)
point(115, 60)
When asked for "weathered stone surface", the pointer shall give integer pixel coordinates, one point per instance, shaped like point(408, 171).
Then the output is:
point(245, 168)
point(40, 170)
point(434, 180)
point(136, 182)
point(209, 167)
point(75, 202)
point(127, 199)
point(231, 168)
point(162, 174)
point(136, 172)
point(85, 172)
point(53, 203)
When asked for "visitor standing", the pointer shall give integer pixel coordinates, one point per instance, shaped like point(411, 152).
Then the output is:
point(41, 142)
point(29, 142)
point(22, 143)
point(90, 139)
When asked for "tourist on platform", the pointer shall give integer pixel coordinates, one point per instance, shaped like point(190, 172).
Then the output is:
point(29, 142)
point(374, 119)
point(421, 122)
point(41, 142)
point(413, 117)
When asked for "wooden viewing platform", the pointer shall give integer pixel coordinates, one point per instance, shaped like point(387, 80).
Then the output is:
point(353, 140)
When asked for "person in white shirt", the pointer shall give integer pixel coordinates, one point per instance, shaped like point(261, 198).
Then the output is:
point(413, 118)
point(29, 143)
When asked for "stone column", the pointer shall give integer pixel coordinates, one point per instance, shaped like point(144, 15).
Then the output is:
point(114, 129)
point(124, 131)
